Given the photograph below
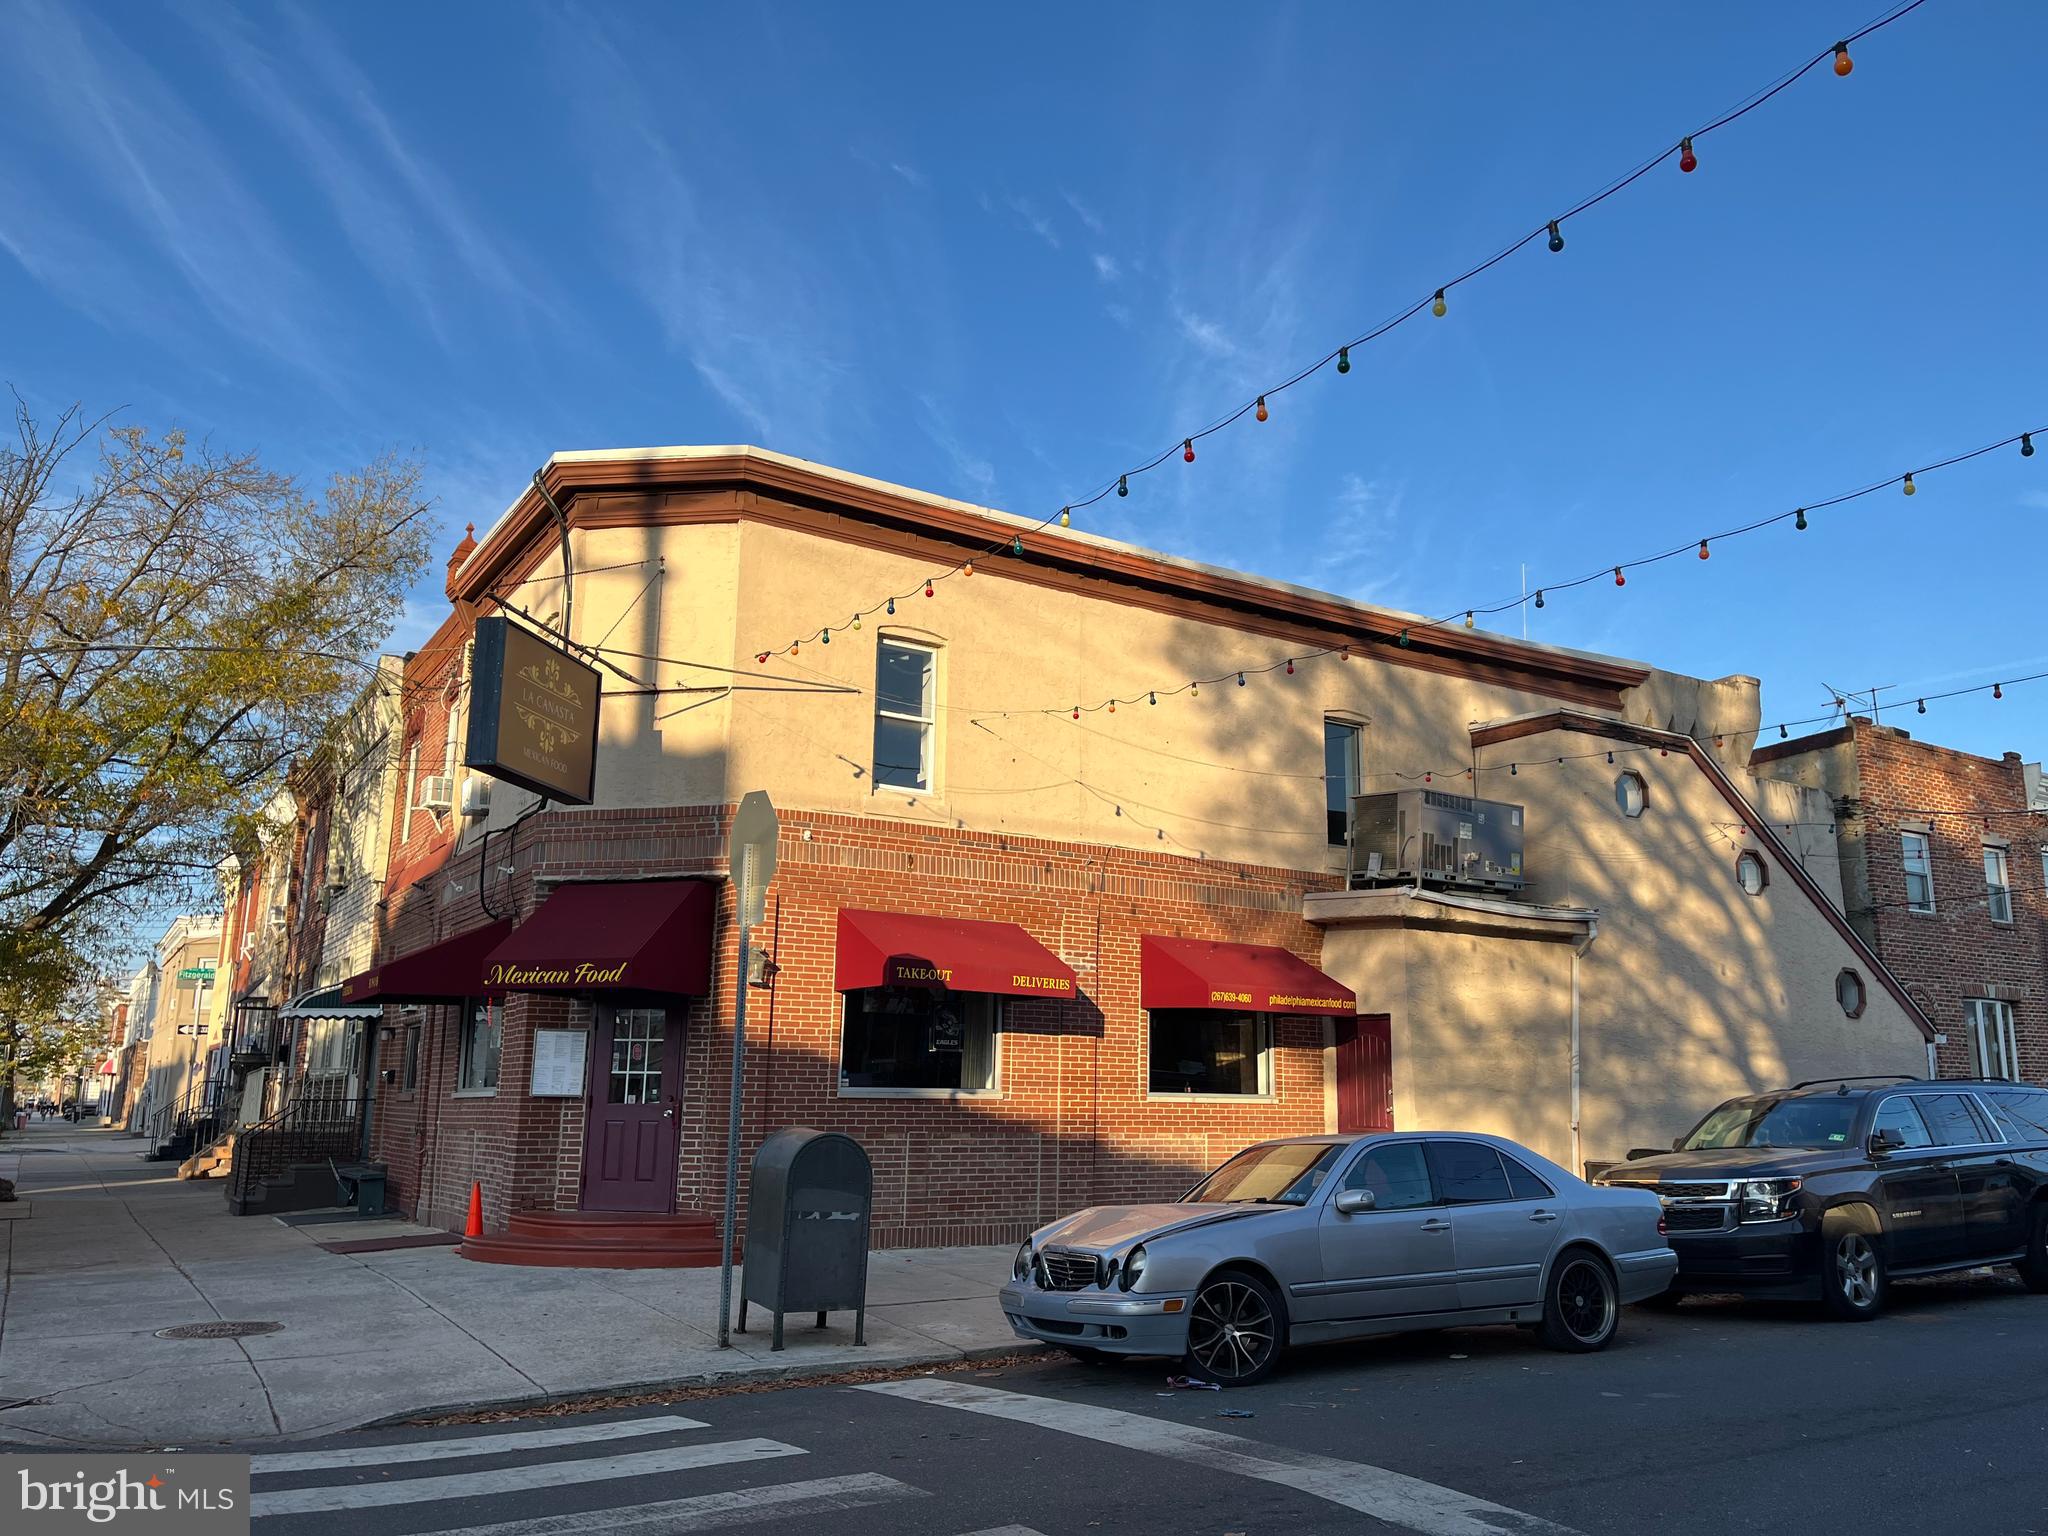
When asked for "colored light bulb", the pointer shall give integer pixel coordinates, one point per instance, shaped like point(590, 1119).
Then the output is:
point(927, 587)
point(1556, 236)
point(1123, 488)
point(2026, 445)
point(1067, 513)
point(1514, 770)
point(1112, 706)
point(1468, 618)
point(1908, 487)
point(1539, 597)
point(1998, 690)
point(824, 637)
point(1290, 666)
point(1404, 640)
point(967, 569)
point(1687, 160)
point(1783, 733)
point(892, 605)
point(1343, 359)
point(1438, 307)
point(1922, 709)
point(1260, 413)
point(856, 621)
point(1187, 449)
point(762, 658)
point(1240, 679)
point(1703, 550)
point(1077, 711)
point(1610, 759)
point(1619, 579)
point(1799, 520)
point(1194, 690)
point(1152, 698)
point(795, 646)
point(1425, 778)
point(1017, 545)
point(1843, 63)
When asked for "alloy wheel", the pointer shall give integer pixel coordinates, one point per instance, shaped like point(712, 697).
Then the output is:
point(1856, 1270)
point(1231, 1330)
point(1585, 1300)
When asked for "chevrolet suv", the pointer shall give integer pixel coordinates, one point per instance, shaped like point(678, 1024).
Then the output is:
point(1833, 1188)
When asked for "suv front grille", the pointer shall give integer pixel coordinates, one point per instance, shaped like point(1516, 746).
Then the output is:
point(1717, 1190)
point(1695, 1218)
point(1062, 1269)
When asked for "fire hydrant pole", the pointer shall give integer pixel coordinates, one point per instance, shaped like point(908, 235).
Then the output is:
point(732, 1116)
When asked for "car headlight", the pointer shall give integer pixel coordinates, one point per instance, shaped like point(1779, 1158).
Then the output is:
point(1768, 1199)
point(1021, 1265)
point(1134, 1269)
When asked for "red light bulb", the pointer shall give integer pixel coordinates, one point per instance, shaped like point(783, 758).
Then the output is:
point(927, 588)
point(1619, 579)
point(1290, 666)
point(1187, 446)
point(1703, 549)
point(1998, 690)
point(1843, 63)
point(1687, 160)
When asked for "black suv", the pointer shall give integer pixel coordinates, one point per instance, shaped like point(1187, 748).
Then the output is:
point(1832, 1188)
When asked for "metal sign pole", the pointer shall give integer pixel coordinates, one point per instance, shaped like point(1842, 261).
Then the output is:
point(732, 1117)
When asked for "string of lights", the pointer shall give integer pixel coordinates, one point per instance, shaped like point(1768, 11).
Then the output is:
point(1551, 231)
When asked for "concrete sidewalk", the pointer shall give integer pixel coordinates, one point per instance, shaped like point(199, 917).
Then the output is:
point(115, 1249)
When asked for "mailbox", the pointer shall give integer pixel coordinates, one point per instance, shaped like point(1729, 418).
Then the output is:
point(808, 1201)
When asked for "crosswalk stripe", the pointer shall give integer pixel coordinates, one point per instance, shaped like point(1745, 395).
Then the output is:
point(713, 1511)
point(1390, 1496)
point(549, 1474)
point(478, 1445)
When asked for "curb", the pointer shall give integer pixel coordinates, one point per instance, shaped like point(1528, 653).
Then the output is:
point(782, 1375)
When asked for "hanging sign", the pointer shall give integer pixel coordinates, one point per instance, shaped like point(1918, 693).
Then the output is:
point(532, 713)
point(558, 1063)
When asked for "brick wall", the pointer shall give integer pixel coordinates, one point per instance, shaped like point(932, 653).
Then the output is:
point(1956, 952)
point(1071, 1122)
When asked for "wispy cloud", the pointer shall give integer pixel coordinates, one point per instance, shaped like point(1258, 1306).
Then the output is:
point(911, 174)
point(1106, 267)
point(1204, 333)
point(1120, 313)
point(977, 474)
point(126, 141)
point(1086, 215)
point(1035, 221)
point(1353, 554)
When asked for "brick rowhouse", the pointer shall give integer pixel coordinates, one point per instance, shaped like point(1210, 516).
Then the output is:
point(1894, 795)
point(926, 788)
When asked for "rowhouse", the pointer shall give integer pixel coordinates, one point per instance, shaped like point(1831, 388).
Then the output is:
point(1066, 907)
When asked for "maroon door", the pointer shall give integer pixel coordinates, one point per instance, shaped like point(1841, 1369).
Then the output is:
point(636, 1084)
point(1365, 1074)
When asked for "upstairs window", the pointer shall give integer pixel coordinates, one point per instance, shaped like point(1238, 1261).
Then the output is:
point(1849, 993)
point(1751, 873)
point(903, 715)
point(1631, 794)
point(1918, 861)
point(1997, 885)
point(1341, 744)
point(1994, 1045)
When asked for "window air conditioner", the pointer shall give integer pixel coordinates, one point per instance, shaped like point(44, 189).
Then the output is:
point(476, 796)
point(437, 792)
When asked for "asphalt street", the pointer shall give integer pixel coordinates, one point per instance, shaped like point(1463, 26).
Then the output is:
point(1721, 1416)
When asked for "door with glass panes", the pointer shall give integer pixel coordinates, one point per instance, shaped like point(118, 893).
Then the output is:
point(635, 1103)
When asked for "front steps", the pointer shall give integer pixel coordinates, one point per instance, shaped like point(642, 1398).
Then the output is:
point(602, 1240)
point(210, 1162)
point(301, 1187)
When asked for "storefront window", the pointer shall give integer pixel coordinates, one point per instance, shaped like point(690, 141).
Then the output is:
point(483, 1028)
point(1204, 1050)
point(917, 1039)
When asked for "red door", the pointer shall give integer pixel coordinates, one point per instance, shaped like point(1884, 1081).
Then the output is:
point(636, 1084)
point(1365, 1074)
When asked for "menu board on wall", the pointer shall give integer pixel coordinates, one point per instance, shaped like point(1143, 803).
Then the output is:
point(558, 1062)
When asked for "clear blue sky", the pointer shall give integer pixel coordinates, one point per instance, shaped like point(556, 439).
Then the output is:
point(1003, 254)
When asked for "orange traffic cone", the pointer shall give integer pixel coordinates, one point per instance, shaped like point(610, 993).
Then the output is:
point(474, 1227)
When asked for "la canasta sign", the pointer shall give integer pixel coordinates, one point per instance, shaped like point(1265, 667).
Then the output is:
point(532, 713)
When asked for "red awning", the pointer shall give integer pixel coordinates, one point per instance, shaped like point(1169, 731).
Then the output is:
point(612, 936)
point(1242, 978)
point(898, 949)
point(445, 972)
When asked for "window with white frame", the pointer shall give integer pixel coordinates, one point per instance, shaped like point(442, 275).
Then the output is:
point(904, 714)
point(482, 1040)
point(1205, 1050)
point(1994, 1047)
point(1917, 858)
point(1341, 741)
point(1997, 884)
point(918, 1040)
point(327, 1047)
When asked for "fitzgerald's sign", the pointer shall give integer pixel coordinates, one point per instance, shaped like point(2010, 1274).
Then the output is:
point(532, 713)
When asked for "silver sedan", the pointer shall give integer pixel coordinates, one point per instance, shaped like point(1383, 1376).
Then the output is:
point(1319, 1238)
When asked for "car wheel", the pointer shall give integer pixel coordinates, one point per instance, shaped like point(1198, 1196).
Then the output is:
point(2034, 1267)
point(1234, 1330)
point(1582, 1308)
point(1852, 1278)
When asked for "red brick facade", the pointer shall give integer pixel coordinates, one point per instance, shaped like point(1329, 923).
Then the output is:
point(1070, 1123)
point(1885, 785)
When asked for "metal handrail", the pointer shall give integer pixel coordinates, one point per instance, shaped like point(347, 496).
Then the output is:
point(312, 1128)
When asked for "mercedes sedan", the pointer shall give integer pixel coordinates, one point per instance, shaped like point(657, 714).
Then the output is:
point(1319, 1238)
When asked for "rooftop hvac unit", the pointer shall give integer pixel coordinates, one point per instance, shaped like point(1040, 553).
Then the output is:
point(437, 792)
point(1429, 837)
